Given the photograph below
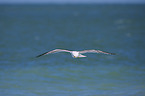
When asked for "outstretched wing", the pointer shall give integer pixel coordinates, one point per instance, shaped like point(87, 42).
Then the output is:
point(53, 51)
point(95, 51)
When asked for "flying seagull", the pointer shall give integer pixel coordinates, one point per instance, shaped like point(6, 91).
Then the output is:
point(75, 54)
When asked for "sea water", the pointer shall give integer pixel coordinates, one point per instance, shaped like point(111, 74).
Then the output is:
point(29, 30)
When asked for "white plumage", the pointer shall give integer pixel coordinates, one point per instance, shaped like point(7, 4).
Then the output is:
point(75, 54)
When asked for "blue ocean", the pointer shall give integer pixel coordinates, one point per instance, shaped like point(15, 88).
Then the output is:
point(28, 30)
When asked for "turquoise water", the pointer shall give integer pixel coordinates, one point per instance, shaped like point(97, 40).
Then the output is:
point(29, 30)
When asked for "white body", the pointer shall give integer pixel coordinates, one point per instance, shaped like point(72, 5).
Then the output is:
point(76, 54)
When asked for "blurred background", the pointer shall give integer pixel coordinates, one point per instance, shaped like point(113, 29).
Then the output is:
point(29, 28)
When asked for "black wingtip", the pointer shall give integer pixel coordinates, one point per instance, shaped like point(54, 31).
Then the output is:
point(38, 56)
point(41, 54)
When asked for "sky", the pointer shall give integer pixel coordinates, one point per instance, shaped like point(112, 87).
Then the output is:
point(72, 1)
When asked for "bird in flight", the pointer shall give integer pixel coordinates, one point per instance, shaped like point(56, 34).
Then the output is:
point(75, 54)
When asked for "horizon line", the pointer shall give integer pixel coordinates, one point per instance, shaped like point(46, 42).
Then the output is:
point(72, 2)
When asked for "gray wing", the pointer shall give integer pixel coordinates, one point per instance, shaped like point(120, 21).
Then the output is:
point(53, 51)
point(95, 51)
